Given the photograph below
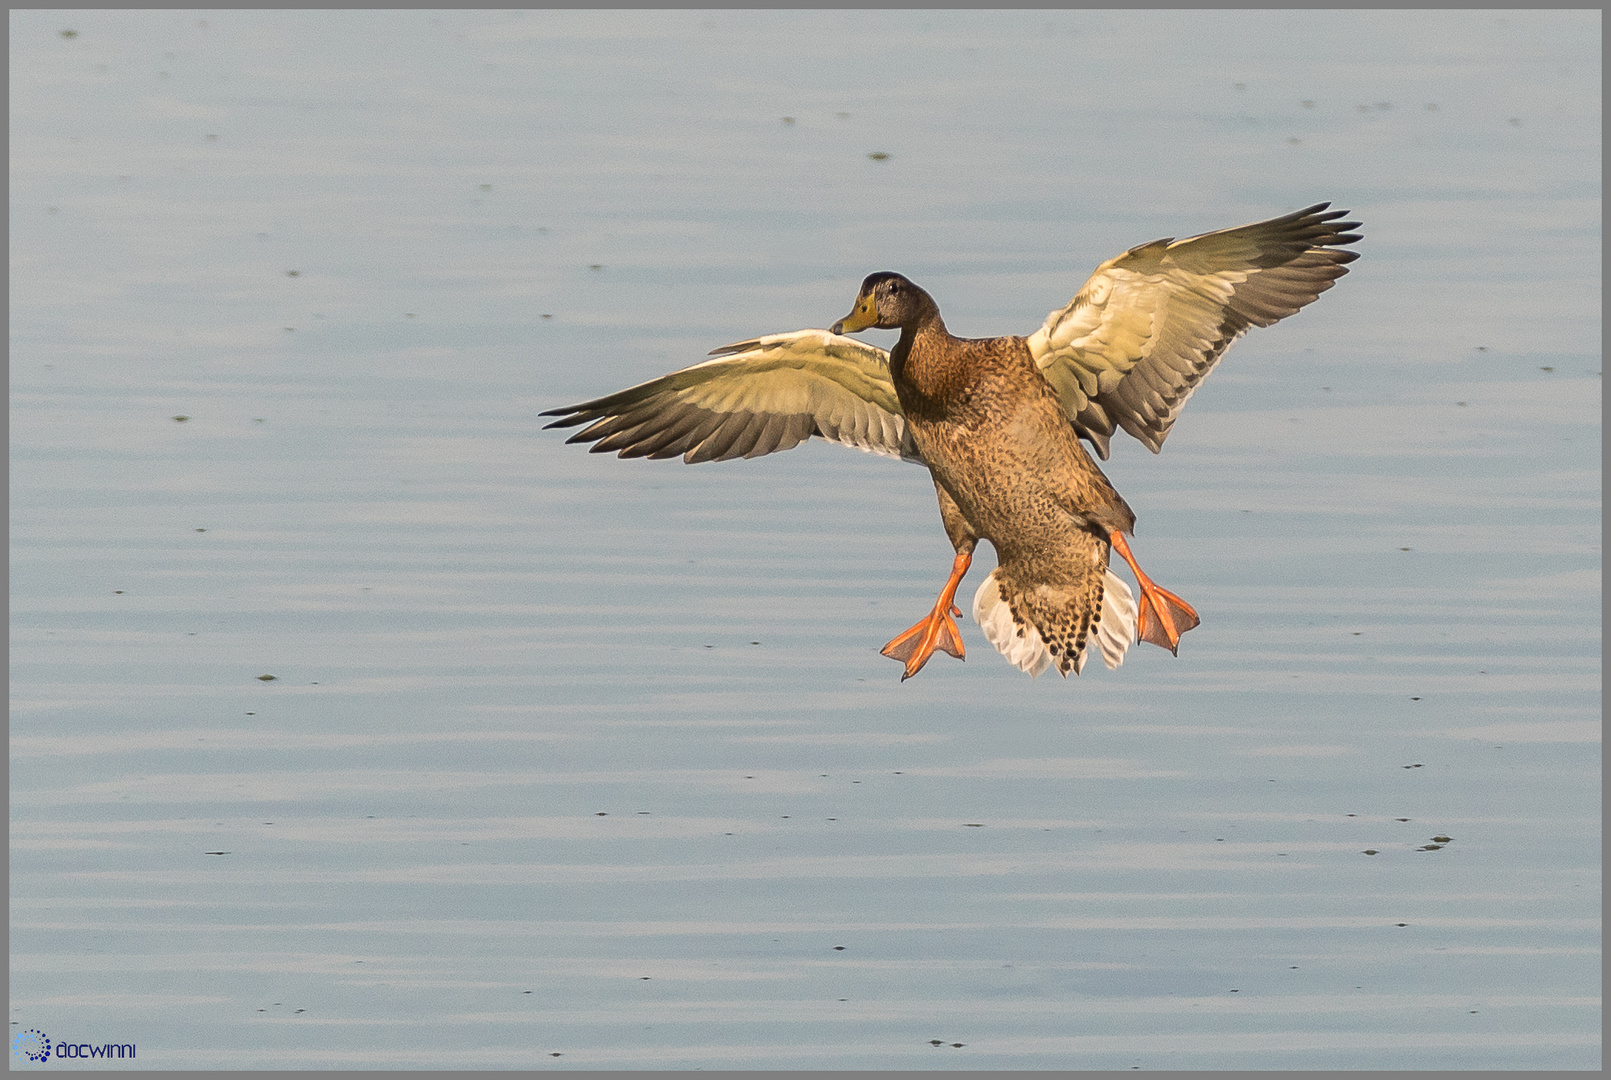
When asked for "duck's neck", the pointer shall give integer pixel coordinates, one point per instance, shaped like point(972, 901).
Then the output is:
point(929, 323)
point(918, 370)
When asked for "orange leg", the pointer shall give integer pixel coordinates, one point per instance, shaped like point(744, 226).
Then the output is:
point(1163, 615)
point(937, 631)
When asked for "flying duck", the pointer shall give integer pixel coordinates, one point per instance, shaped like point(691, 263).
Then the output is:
point(998, 422)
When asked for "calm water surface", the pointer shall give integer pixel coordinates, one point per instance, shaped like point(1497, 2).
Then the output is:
point(576, 762)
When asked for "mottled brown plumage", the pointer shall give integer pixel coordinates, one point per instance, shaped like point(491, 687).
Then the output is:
point(1007, 467)
point(998, 421)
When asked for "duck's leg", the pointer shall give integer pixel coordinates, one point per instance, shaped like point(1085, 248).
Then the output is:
point(938, 630)
point(1163, 615)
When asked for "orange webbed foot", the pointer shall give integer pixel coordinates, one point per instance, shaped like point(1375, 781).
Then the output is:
point(916, 645)
point(938, 630)
point(1164, 617)
point(1161, 615)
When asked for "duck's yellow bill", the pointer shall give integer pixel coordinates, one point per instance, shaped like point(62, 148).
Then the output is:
point(864, 315)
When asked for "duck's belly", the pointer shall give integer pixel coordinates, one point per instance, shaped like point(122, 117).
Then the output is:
point(1024, 483)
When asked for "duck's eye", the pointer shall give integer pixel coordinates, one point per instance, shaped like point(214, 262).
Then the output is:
point(894, 287)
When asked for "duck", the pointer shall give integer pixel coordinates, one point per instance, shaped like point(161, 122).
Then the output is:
point(1002, 424)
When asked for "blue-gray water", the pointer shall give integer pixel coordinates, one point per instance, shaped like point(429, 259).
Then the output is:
point(567, 755)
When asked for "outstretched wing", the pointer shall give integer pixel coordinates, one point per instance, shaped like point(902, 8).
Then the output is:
point(1150, 325)
point(754, 398)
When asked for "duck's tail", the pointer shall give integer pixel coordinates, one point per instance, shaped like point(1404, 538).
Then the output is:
point(1038, 626)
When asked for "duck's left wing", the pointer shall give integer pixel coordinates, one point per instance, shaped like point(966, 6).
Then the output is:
point(756, 397)
point(1150, 325)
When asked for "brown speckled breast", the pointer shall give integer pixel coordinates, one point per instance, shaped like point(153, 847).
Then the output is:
point(996, 439)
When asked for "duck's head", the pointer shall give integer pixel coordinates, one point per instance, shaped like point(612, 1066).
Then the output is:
point(886, 302)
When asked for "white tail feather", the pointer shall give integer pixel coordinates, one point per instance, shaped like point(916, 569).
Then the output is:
point(1026, 650)
point(1117, 630)
point(1021, 645)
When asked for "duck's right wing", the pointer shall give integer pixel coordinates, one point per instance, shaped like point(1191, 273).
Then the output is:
point(756, 397)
